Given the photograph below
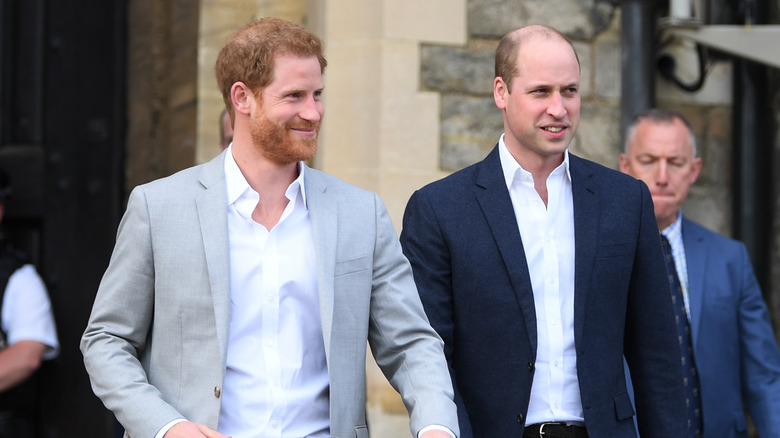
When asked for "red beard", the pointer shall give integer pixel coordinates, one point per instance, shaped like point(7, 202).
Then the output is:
point(279, 144)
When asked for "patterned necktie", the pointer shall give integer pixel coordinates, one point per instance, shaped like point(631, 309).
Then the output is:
point(690, 377)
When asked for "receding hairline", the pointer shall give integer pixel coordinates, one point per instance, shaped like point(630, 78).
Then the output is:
point(508, 50)
point(536, 32)
point(659, 116)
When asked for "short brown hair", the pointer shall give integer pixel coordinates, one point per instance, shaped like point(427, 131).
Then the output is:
point(248, 55)
point(509, 48)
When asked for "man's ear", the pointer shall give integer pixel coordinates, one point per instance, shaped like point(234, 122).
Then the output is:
point(623, 163)
point(500, 92)
point(242, 98)
point(696, 169)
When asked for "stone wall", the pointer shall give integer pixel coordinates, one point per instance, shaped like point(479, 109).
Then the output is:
point(162, 93)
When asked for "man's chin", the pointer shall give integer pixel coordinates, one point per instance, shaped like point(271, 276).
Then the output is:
point(308, 151)
point(665, 216)
point(299, 153)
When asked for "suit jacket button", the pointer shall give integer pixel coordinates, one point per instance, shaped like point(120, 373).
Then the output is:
point(520, 419)
point(217, 392)
point(530, 366)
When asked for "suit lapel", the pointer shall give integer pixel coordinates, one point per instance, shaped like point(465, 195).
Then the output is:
point(493, 198)
point(212, 214)
point(324, 217)
point(587, 210)
point(696, 255)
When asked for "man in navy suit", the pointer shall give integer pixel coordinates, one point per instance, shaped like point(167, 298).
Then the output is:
point(541, 270)
point(735, 351)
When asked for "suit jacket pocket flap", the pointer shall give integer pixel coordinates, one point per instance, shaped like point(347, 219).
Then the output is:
point(349, 266)
point(623, 407)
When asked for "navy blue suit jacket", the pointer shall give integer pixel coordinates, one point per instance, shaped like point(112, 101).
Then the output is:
point(734, 346)
point(462, 239)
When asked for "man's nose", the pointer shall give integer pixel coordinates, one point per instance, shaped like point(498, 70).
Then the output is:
point(312, 110)
point(556, 107)
point(662, 173)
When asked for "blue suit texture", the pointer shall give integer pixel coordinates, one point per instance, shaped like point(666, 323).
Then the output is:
point(461, 236)
point(735, 349)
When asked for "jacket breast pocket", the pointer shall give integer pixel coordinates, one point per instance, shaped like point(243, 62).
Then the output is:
point(349, 266)
point(361, 432)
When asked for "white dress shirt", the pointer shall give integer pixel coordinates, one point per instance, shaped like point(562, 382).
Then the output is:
point(548, 241)
point(276, 378)
point(276, 382)
point(27, 314)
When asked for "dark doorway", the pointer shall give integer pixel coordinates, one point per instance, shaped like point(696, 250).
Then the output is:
point(62, 137)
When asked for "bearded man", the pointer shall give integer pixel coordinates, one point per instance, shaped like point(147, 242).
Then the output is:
point(242, 292)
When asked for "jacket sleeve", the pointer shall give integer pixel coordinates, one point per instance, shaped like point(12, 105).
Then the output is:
point(424, 246)
point(118, 327)
point(650, 345)
point(399, 325)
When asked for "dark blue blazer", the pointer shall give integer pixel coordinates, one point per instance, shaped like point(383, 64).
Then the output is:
point(734, 345)
point(461, 236)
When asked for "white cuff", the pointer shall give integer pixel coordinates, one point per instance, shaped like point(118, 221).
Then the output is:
point(436, 427)
point(168, 427)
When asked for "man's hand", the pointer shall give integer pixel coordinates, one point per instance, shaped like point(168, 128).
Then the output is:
point(188, 429)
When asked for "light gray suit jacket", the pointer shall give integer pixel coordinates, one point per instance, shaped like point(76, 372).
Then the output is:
point(156, 341)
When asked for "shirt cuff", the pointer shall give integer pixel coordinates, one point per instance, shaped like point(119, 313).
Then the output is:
point(436, 427)
point(168, 427)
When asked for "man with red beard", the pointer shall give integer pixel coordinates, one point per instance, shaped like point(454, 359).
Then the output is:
point(242, 293)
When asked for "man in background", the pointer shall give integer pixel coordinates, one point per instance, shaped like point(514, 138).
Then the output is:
point(28, 333)
point(735, 354)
